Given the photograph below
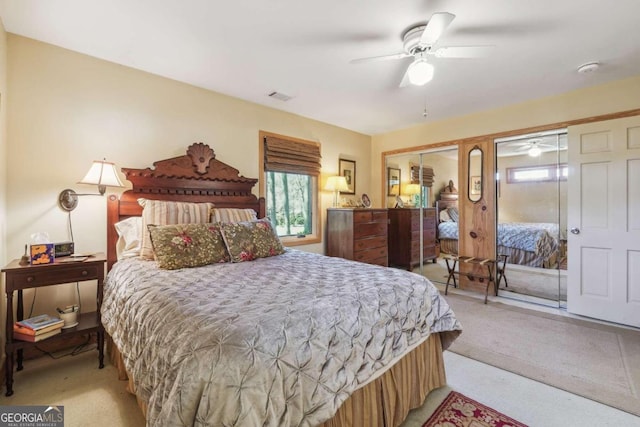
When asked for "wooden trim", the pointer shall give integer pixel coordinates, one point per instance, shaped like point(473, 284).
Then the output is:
point(420, 148)
point(532, 129)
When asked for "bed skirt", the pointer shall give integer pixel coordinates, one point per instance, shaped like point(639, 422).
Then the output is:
point(384, 402)
point(449, 246)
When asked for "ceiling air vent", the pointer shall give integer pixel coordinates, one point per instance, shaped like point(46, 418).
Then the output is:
point(280, 96)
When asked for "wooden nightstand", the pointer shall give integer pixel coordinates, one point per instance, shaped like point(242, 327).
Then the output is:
point(18, 277)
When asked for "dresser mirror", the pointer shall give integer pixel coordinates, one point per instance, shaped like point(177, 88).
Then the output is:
point(475, 174)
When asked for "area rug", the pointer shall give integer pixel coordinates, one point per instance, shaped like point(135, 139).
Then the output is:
point(457, 410)
point(590, 359)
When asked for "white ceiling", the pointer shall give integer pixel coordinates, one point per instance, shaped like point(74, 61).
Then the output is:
point(249, 48)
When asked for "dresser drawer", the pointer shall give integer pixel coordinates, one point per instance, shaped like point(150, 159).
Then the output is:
point(383, 261)
point(428, 252)
point(369, 230)
point(368, 255)
point(369, 216)
point(429, 236)
point(428, 221)
point(372, 256)
point(370, 243)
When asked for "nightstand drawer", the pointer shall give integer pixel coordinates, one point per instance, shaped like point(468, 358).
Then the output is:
point(53, 276)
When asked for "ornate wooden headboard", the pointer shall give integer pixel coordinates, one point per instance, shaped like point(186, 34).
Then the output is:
point(195, 177)
point(448, 198)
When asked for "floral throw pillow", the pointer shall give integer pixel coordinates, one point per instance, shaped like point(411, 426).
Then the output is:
point(249, 240)
point(187, 245)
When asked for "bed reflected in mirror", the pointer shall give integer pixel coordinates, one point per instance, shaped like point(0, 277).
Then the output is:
point(532, 216)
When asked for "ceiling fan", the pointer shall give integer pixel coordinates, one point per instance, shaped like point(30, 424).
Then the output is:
point(418, 42)
point(533, 147)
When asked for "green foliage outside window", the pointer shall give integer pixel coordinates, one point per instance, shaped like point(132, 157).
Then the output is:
point(289, 203)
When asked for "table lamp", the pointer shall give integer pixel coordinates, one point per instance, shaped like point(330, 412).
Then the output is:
point(336, 184)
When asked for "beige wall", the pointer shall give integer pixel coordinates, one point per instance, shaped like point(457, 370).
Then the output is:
point(3, 176)
point(68, 109)
point(612, 97)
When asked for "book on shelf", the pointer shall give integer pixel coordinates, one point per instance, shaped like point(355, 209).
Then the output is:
point(40, 322)
point(36, 338)
point(28, 331)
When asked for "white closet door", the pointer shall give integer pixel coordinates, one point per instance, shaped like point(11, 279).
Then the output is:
point(604, 220)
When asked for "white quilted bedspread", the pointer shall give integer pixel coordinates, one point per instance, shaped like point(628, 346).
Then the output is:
point(275, 341)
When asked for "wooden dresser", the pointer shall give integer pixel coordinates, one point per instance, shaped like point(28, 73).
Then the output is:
point(404, 236)
point(358, 234)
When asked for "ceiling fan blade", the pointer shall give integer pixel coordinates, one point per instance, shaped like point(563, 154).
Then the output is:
point(523, 148)
point(435, 27)
point(462, 51)
point(405, 79)
point(380, 58)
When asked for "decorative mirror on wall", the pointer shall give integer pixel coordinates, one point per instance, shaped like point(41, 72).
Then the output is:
point(475, 174)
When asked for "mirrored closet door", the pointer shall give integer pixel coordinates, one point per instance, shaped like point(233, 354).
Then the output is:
point(418, 184)
point(531, 198)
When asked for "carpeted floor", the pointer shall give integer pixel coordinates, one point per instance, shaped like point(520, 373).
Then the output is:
point(594, 360)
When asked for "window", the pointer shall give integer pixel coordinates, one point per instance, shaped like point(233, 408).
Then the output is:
point(291, 168)
point(543, 173)
point(289, 204)
point(427, 182)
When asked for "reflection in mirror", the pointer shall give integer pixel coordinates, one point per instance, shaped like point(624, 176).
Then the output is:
point(475, 174)
point(531, 197)
point(439, 167)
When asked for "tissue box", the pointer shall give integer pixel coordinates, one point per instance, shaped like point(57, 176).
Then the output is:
point(43, 253)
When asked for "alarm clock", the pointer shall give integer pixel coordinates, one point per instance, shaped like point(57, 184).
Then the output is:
point(63, 249)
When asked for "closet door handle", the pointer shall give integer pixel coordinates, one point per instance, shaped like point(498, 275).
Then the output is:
point(575, 230)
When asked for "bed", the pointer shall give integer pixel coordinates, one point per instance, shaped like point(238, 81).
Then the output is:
point(529, 244)
point(291, 338)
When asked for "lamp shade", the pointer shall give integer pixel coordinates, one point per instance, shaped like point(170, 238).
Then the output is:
point(412, 189)
point(336, 183)
point(102, 173)
point(420, 72)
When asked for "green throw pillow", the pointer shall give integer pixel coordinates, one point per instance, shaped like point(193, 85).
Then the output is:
point(187, 245)
point(249, 240)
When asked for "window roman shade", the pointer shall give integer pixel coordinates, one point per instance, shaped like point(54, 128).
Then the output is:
point(290, 156)
point(427, 175)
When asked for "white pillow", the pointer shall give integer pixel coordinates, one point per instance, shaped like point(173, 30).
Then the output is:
point(444, 216)
point(232, 215)
point(129, 241)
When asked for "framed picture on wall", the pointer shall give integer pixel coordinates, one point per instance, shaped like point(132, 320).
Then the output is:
point(476, 185)
point(393, 182)
point(347, 169)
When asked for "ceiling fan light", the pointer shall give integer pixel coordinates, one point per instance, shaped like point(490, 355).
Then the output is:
point(534, 151)
point(420, 72)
